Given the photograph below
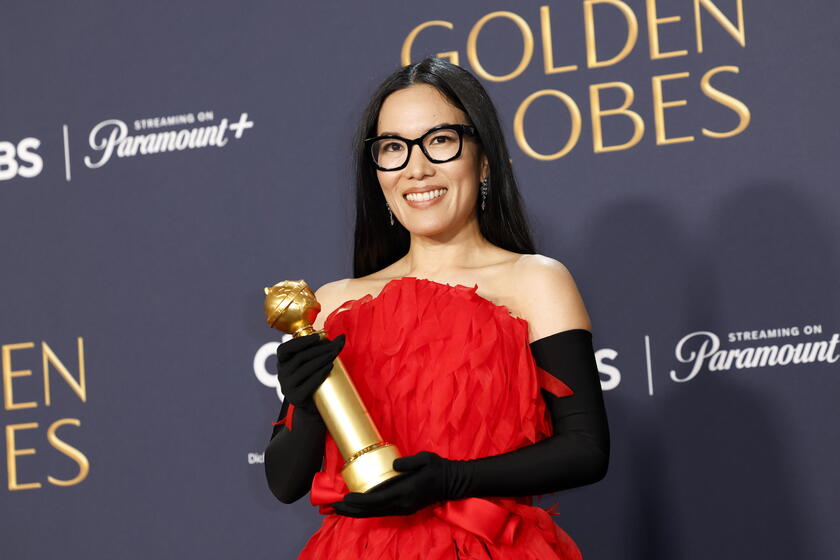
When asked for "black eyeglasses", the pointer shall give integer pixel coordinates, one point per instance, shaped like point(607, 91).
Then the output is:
point(440, 144)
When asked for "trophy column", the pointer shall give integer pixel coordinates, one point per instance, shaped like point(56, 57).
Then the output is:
point(291, 307)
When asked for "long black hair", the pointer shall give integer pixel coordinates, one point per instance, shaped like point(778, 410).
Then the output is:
point(502, 222)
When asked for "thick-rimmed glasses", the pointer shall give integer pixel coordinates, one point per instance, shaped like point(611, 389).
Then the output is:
point(440, 144)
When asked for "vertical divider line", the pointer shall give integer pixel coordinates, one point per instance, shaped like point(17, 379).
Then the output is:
point(649, 368)
point(66, 153)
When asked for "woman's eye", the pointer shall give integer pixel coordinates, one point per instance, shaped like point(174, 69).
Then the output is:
point(392, 147)
point(442, 139)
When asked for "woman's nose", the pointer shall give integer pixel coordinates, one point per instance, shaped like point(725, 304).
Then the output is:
point(418, 164)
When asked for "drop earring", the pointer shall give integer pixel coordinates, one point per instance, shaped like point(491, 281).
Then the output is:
point(484, 190)
point(390, 214)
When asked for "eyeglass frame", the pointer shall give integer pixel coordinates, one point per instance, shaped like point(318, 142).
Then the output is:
point(459, 128)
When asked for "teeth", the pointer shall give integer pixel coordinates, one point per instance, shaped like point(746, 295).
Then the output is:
point(419, 197)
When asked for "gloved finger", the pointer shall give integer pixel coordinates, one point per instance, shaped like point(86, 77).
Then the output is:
point(412, 462)
point(300, 374)
point(295, 345)
point(321, 353)
point(338, 342)
point(305, 390)
point(337, 345)
point(350, 497)
point(324, 347)
point(329, 348)
point(378, 497)
point(348, 510)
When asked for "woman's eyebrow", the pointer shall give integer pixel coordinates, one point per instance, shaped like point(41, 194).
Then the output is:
point(427, 130)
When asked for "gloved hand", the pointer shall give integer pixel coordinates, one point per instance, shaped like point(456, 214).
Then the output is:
point(429, 478)
point(302, 365)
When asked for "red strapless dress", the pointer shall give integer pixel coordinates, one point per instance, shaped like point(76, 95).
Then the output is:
point(441, 369)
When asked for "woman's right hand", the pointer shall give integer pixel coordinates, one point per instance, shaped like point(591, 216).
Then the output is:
point(302, 365)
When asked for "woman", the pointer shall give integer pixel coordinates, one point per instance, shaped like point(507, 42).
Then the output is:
point(491, 394)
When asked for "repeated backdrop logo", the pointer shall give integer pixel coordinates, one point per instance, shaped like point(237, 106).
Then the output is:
point(703, 351)
point(27, 440)
point(699, 351)
point(696, 353)
point(35, 389)
point(545, 104)
point(112, 137)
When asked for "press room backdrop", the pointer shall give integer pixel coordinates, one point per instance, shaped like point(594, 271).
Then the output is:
point(160, 163)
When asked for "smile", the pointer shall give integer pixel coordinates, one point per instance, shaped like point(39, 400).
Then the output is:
point(425, 199)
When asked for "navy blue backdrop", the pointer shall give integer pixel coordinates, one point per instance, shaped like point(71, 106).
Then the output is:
point(160, 163)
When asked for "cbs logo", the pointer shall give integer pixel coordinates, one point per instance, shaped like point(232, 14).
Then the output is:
point(264, 376)
point(20, 160)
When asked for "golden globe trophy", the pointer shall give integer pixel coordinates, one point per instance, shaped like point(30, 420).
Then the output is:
point(291, 307)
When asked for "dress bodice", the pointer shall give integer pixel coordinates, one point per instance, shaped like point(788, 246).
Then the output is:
point(437, 365)
point(439, 369)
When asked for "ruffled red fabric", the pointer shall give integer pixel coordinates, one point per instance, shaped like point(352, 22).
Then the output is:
point(441, 369)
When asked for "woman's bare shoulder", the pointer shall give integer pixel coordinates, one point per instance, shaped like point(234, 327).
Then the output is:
point(547, 296)
point(332, 294)
point(330, 297)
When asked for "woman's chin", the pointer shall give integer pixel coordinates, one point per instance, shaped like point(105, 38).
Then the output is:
point(431, 227)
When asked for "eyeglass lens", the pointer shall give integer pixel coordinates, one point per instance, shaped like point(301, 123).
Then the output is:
point(440, 145)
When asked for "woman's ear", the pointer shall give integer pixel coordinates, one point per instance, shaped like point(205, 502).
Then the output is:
point(485, 168)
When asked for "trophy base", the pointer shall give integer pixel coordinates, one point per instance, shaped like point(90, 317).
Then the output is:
point(371, 469)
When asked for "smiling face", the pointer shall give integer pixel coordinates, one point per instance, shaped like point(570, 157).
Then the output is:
point(410, 113)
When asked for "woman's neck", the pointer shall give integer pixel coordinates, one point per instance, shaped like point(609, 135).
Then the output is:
point(430, 256)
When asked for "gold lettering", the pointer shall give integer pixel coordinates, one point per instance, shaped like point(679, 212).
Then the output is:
point(589, 30)
point(70, 451)
point(598, 114)
point(548, 48)
point(738, 33)
point(405, 53)
point(519, 124)
point(736, 105)
point(8, 374)
point(12, 453)
point(527, 44)
point(653, 32)
point(49, 357)
point(659, 107)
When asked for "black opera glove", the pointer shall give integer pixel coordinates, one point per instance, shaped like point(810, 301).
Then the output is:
point(293, 456)
point(302, 365)
point(577, 453)
point(426, 481)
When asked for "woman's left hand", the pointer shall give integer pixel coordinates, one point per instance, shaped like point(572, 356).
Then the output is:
point(425, 482)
